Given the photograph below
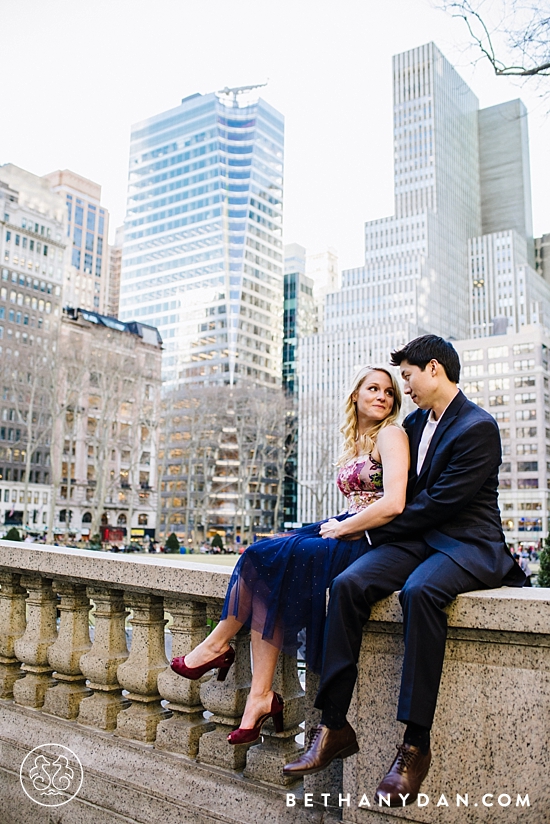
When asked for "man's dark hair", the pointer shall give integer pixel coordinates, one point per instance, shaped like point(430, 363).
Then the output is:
point(421, 351)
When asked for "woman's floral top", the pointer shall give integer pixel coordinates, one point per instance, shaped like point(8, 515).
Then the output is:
point(360, 480)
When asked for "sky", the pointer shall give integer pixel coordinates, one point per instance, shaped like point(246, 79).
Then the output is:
point(78, 73)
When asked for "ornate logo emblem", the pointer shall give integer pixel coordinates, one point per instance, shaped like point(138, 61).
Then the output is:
point(51, 775)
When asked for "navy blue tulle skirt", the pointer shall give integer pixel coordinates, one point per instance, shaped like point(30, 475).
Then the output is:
point(279, 585)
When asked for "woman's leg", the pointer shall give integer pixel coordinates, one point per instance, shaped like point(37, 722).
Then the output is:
point(264, 661)
point(215, 643)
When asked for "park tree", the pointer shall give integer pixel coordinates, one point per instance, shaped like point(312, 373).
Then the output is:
point(172, 543)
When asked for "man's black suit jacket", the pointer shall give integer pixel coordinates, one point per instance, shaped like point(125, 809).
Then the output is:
point(452, 505)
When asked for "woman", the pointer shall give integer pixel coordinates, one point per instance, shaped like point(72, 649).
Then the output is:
point(279, 584)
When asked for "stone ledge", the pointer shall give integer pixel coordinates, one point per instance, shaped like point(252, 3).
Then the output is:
point(506, 609)
point(125, 781)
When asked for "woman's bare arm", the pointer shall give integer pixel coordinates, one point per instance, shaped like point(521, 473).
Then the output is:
point(393, 446)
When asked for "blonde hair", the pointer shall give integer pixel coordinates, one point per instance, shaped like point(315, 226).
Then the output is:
point(355, 444)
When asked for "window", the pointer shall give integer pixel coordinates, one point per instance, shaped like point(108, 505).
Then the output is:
point(497, 352)
point(499, 383)
point(526, 397)
point(520, 348)
point(78, 215)
point(528, 466)
point(474, 386)
point(524, 365)
point(526, 449)
point(472, 354)
point(526, 414)
point(499, 400)
point(473, 371)
point(505, 467)
point(530, 524)
point(525, 381)
point(503, 417)
point(142, 519)
point(76, 258)
point(528, 483)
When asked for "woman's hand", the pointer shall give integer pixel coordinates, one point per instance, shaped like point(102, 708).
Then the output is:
point(330, 529)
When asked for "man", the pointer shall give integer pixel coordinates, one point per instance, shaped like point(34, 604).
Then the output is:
point(447, 540)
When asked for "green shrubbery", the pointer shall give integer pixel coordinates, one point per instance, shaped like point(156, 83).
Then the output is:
point(543, 577)
point(172, 544)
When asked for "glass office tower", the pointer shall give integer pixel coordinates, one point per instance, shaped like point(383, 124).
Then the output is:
point(202, 256)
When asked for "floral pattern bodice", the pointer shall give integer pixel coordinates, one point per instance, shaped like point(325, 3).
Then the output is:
point(360, 480)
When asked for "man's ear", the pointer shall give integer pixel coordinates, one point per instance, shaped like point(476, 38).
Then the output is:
point(434, 364)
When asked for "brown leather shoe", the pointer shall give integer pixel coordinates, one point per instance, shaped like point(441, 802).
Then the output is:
point(405, 776)
point(323, 746)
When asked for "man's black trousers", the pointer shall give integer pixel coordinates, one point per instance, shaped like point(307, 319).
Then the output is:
point(428, 580)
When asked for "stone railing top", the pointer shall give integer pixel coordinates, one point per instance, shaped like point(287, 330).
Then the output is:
point(167, 575)
point(507, 609)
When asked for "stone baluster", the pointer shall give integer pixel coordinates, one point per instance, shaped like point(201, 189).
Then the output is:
point(100, 664)
point(73, 641)
point(266, 760)
point(12, 626)
point(140, 672)
point(226, 700)
point(182, 732)
point(32, 647)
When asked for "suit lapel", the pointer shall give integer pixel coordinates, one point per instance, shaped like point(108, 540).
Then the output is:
point(416, 435)
point(448, 417)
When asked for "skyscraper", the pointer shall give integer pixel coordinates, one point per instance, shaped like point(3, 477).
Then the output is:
point(202, 256)
point(453, 260)
point(86, 281)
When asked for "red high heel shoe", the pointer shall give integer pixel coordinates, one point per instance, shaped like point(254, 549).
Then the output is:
point(246, 736)
point(222, 661)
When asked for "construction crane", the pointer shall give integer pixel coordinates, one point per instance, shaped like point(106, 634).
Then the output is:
point(240, 90)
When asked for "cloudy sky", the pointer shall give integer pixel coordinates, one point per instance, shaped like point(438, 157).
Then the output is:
point(77, 73)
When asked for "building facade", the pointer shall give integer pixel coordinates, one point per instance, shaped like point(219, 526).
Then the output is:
point(455, 259)
point(504, 290)
point(509, 376)
point(542, 256)
point(300, 319)
point(202, 256)
point(86, 283)
point(33, 264)
point(115, 269)
point(104, 442)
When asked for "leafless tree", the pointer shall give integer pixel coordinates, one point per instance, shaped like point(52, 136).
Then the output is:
point(223, 448)
point(522, 25)
point(318, 443)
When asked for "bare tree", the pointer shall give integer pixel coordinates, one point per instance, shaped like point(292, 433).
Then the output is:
point(223, 448)
point(317, 452)
point(524, 25)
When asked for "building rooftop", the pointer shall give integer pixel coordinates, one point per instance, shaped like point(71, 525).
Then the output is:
point(149, 334)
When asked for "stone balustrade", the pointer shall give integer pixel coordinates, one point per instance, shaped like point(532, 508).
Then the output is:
point(83, 663)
